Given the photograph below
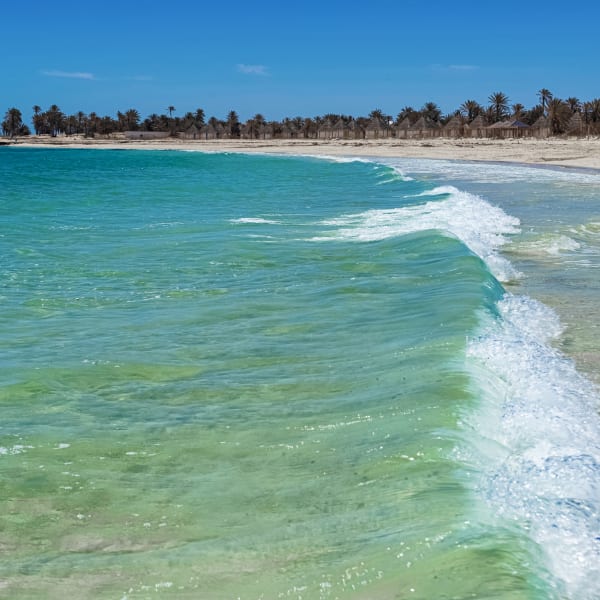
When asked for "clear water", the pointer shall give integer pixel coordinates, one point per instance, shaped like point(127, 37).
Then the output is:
point(229, 376)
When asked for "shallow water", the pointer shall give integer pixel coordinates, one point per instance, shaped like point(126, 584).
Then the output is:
point(230, 376)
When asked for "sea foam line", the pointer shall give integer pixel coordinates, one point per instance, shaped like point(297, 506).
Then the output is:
point(542, 468)
point(481, 226)
point(255, 220)
point(489, 172)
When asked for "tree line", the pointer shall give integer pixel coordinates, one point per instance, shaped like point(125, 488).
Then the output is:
point(55, 122)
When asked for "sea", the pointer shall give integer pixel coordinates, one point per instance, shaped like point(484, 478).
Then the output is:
point(236, 376)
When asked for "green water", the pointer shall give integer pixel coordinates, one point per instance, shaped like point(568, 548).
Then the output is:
point(206, 392)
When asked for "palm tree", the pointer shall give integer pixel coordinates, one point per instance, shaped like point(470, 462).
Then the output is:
point(310, 128)
point(132, 119)
point(498, 105)
point(377, 114)
point(533, 114)
point(408, 112)
point(81, 121)
point(545, 96)
point(574, 104)
point(151, 123)
point(12, 122)
point(470, 109)
point(431, 111)
point(298, 125)
point(233, 124)
point(254, 125)
point(199, 117)
point(591, 114)
point(558, 115)
point(37, 120)
point(171, 109)
point(518, 110)
point(92, 124)
point(56, 120)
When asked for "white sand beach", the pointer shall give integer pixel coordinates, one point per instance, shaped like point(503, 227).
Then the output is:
point(571, 152)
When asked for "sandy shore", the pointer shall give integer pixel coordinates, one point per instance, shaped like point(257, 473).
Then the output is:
point(584, 153)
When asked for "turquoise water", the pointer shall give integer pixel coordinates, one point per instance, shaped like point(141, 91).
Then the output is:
point(229, 376)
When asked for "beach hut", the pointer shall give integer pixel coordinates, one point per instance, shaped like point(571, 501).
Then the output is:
point(289, 131)
point(541, 128)
point(454, 128)
point(325, 131)
point(212, 131)
point(341, 129)
point(377, 129)
point(265, 131)
point(191, 133)
point(246, 131)
point(575, 126)
point(508, 129)
point(251, 130)
point(476, 128)
point(496, 130)
point(424, 128)
point(401, 129)
point(146, 135)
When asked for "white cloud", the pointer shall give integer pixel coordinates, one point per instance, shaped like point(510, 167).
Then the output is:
point(252, 69)
point(68, 74)
point(462, 67)
point(454, 68)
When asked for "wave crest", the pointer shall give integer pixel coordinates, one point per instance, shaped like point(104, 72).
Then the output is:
point(481, 226)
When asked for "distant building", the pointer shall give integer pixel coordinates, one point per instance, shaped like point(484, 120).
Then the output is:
point(454, 128)
point(541, 128)
point(476, 128)
point(146, 135)
point(576, 126)
point(346, 130)
point(401, 129)
point(377, 129)
point(509, 129)
point(191, 133)
point(424, 128)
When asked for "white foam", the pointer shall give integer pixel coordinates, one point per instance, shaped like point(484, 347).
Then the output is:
point(391, 174)
point(12, 450)
point(479, 225)
point(256, 220)
point(553, 245)
point(338, 159)
point(486, 172)
point(538, 433)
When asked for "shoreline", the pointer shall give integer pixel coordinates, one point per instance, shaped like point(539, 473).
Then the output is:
point(551, 152)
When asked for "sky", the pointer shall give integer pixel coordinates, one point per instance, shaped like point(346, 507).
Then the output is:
point(292, 58)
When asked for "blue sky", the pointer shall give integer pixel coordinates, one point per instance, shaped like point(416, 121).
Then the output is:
point(291, 58)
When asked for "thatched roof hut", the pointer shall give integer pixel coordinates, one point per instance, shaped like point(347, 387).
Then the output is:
point(289, 131)
point(575, 126)
point(344, 129)
point(541, 128)
point(212, 131)
point(424, 127)
point(509, 129)
point(325, 130)
point(191, 133)
point(146, 135)
point(377, 128)
point(401, 129)
point(477, 127)
point(256, 131)
point(454, 127)
point(265, 131)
